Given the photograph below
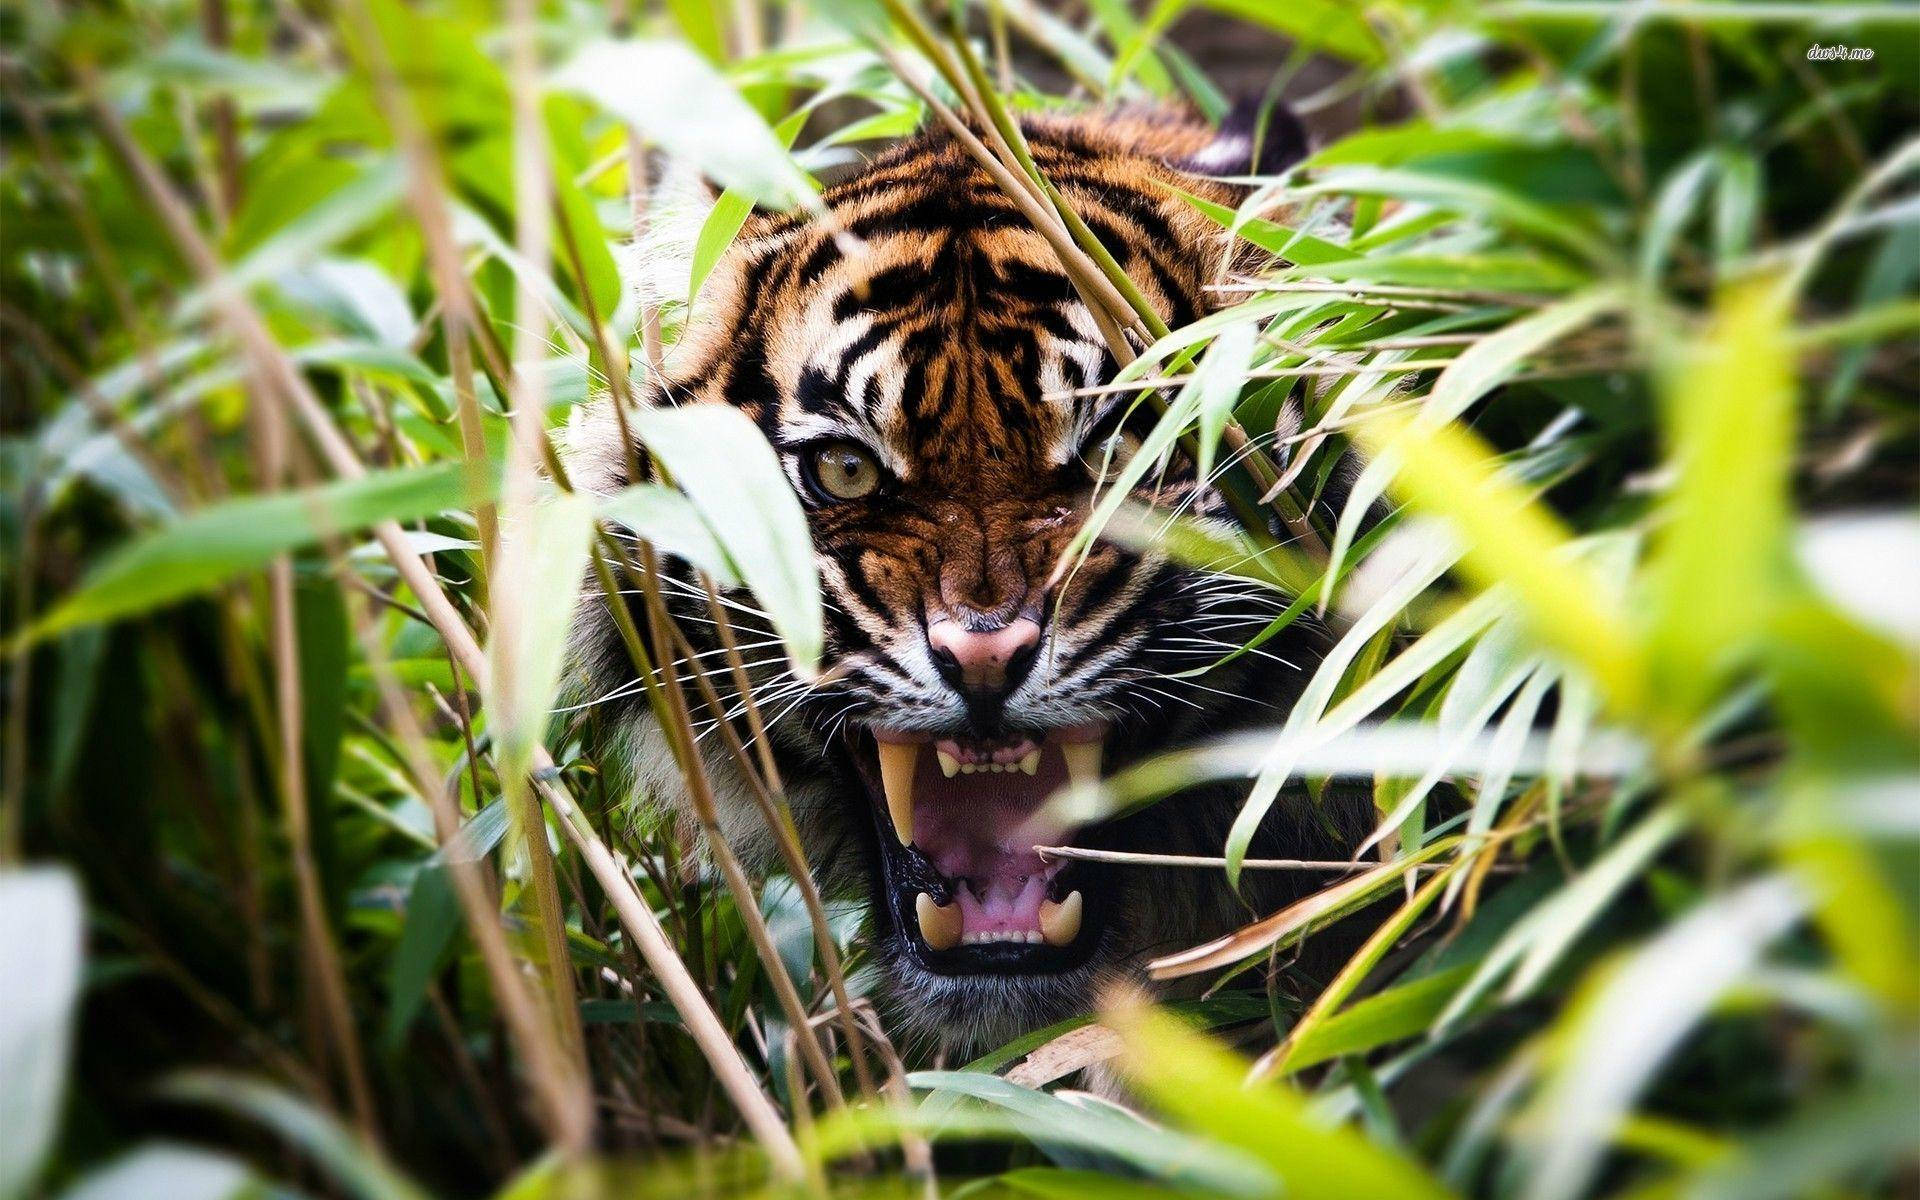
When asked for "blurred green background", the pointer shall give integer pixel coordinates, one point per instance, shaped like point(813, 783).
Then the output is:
point(1616, 300)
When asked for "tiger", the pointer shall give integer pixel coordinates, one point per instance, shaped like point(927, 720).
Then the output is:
point(921, 364)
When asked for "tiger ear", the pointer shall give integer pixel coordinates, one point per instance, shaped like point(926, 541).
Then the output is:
point(1254, 138)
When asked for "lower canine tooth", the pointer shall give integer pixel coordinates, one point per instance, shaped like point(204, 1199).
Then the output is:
point(1083, 762)
point(949, 765)
point(1061, 922)
point(897, 761)
point(1031, 763)
point(939, 927)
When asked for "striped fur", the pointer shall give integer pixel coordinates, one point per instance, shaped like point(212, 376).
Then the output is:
point(929, 324)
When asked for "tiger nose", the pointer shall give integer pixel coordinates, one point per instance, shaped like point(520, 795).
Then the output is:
point(990, 662)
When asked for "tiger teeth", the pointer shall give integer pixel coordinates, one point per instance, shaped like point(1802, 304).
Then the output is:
point(949, 765)
point(940, 925)
point(1031, 763)
point(897, 762)
point(1083, 762)
point(983, 937)
point(1061, 922)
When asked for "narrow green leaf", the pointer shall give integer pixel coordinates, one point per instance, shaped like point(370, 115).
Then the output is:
point(1510, 539)
point(1325, 25)
point(543, 565)
point(1291, 244)
point(175, 1172)
point(357, 1167)
point(1614, 1039)
point(432, 917)
point(40, 955)
point(681, 103)
point(1718, 559)
point(723, 463)
point(1399, 1012)
point(1198, 1083)
point(210, 546)
point(671, 522)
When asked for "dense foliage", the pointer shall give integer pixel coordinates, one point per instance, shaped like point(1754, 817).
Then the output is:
point(1615, 301)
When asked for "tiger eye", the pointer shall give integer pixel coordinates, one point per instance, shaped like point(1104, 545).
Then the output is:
point(1109, 456)
point(844, 471)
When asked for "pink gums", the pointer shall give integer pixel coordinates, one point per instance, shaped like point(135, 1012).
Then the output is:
point(980, 831)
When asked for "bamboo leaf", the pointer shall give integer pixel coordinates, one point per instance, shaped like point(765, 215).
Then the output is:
point(202, 550)
point(357, 1167)
point(175, 1172)
point(1613, 1040)
point(40, 958)
point(681, 103)
point(1717, 562)
point(1511, 540)
point(725, 466)
point(1198, 1083)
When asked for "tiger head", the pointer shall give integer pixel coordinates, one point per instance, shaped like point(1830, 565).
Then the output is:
point(920, 363)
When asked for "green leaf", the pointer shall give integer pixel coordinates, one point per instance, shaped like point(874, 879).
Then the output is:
point(1718, 559)
point(1325, 25)
point(433, 916)
point(1217, 383)
point(1053, 1183)
point(729, 212)
point(1203, 1087)
point(212, 545)
point(175, 1172)
point(1396, 1013)
point(323, 642)
point(356, 1166)
point(677, 99)
point(1291, 244)
point(1821, 1145)
point(1614, 1038)
point(1538, 940)
point(671, 522)
point(1555, 226)
point(1049, 1120)
point(1477, 370)
point(723, 463)
point(364, 199)
point(1510, 539)
point(542, 568)
point(40, 957)
point(1495, 273)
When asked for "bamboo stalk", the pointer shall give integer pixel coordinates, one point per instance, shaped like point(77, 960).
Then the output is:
point(479, 902)
point(779, 817)
point(521, 493)
point(257, 343)
point(664, 687)
point(1332, 867)
point(326, 971)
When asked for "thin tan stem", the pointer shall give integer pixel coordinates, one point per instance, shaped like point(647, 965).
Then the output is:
point(257, 343)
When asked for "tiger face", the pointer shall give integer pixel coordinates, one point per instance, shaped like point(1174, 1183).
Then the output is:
point(916, 371)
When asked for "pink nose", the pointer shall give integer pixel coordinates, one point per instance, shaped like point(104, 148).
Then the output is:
point(983, 659)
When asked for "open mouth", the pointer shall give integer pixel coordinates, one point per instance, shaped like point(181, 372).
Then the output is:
point(959, 821)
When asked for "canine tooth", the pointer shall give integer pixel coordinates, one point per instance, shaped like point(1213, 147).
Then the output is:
point(1031, 763)
point(897, 760)
point(949, 765)
point(939, 927)
point(1083, 762)
point(1061, 922)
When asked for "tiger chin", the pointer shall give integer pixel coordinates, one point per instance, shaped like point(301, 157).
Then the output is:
point(916, 371)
